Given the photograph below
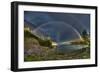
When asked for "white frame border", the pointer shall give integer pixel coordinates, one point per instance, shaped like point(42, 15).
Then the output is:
point(22, 64)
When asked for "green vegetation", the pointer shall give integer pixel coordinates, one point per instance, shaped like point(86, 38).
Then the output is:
point(84, 41)
point(86, 37)
point(47, 42)
point(37, 49)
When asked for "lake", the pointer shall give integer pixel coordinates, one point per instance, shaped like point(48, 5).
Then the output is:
point(69, 48)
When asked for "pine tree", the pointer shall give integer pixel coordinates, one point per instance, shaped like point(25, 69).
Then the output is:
point(84, 34)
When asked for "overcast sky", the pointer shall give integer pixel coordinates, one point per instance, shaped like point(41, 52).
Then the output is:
point(78, 21)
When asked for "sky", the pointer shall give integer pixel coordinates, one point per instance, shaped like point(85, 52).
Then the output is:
point(70, 23)
point(78, 21)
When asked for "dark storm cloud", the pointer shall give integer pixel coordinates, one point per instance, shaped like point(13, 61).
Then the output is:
point(78, 21)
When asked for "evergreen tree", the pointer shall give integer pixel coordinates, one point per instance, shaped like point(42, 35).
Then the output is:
point(84, 34)
point(85, 37)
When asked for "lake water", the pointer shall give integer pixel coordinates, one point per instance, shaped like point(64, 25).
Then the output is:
point(69, 48)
